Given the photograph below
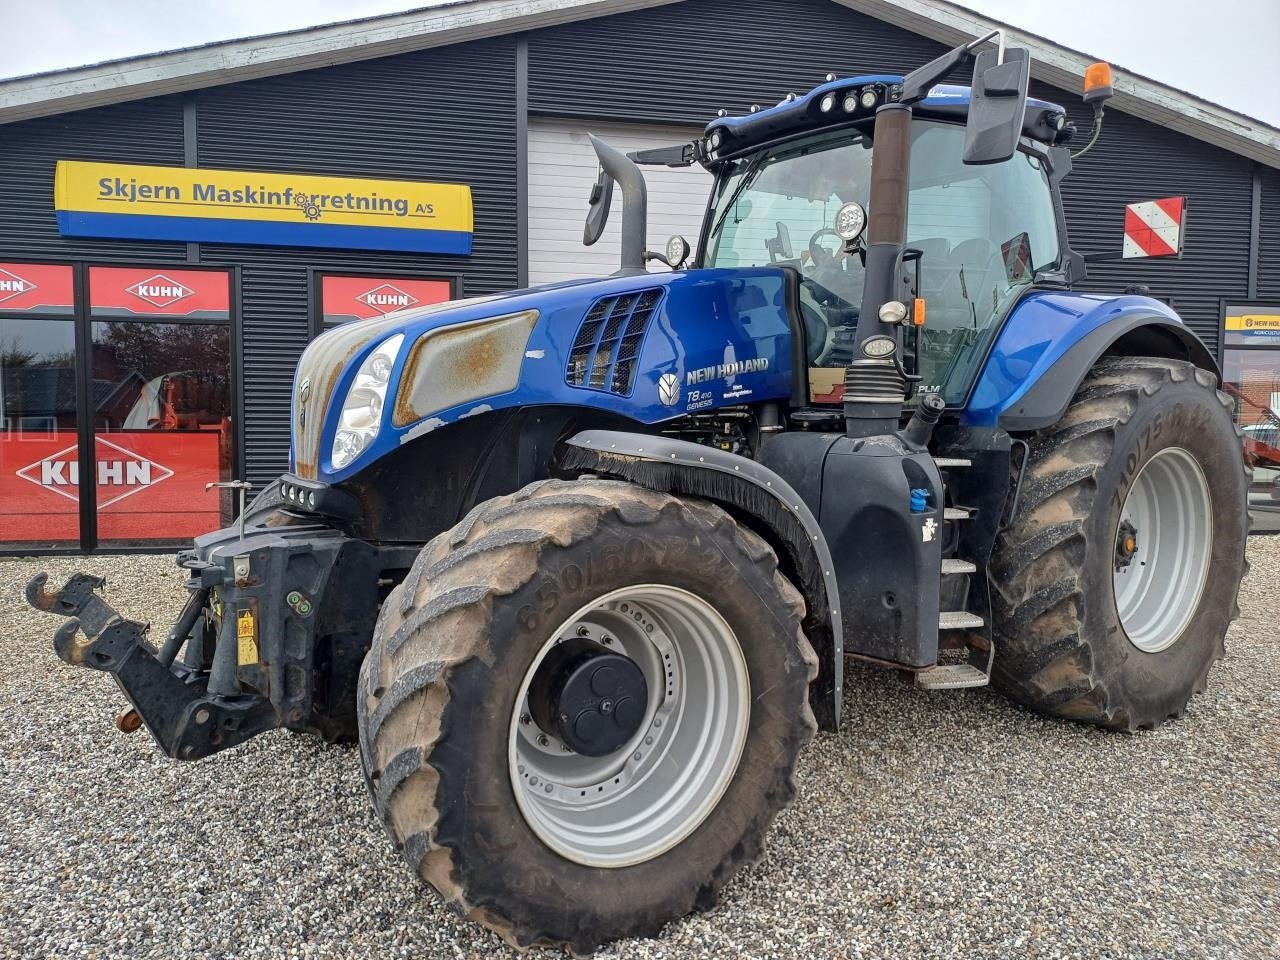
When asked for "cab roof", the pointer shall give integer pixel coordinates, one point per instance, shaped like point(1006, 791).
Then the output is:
point(851, 99)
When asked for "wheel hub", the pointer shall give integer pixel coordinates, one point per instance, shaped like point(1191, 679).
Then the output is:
point(1126, 544)
point(1159, 576)
point(593, 699)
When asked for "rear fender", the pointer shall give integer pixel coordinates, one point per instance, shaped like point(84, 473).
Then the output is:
point(756, 497)
point(1052, 340)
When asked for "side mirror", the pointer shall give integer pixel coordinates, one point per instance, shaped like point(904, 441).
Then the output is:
point(598, 208)
point(997, 106)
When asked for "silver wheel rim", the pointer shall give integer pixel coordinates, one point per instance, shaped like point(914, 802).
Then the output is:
point(639, 802)
point(1170, 508)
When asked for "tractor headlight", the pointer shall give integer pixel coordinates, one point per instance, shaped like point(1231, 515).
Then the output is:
point(361, 415)
point(827, 103)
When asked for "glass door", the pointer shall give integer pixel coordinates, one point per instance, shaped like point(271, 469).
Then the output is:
point(162, 402)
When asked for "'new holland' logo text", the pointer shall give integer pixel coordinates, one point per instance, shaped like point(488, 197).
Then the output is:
point(723, 371)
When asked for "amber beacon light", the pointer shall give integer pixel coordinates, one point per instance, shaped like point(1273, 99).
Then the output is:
point(1097, 82)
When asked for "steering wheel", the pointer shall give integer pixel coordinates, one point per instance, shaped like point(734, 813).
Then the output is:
point(821, 257)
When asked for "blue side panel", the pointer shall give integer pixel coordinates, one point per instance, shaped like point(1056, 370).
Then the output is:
point(72, 223)
point(717, 338)
point(1039, 331)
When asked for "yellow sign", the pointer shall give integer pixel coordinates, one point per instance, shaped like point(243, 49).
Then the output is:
point(1253, 321)
point(238, 206)
point(246, 638)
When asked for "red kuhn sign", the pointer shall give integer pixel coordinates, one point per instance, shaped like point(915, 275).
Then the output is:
point(150, 486)
point(147, 292)
point(366, 298)
point(45, 288)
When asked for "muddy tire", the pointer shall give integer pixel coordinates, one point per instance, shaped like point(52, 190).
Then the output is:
point(442, 691)
point(1114, 585)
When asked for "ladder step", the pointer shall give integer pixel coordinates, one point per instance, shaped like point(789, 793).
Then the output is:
point(951, 677)
point(951, 565)
point(956, 513)
point(958, 620)
point(944, 462)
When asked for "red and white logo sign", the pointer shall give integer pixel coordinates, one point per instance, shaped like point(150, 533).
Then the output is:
point(121, 473)
point(12, 285)
point(142, 292)
point(1154, 228)
point(368, 298)
point(387, 299)
point(159, 290)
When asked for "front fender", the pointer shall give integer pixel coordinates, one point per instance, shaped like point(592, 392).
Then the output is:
point(753, 493)
point(1051, 340)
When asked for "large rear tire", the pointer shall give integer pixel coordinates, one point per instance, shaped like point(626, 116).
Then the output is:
point(541, 844)
point(1116, 582)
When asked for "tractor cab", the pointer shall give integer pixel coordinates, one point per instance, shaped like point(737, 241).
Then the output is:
point(977, 235)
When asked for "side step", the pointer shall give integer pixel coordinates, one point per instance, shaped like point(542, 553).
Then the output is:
point(946, 462)
point(951, 676)
point(958, 620)
point(952, 565)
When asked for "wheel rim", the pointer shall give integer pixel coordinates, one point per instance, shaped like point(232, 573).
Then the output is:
point(1159, 579)
point(643, 799)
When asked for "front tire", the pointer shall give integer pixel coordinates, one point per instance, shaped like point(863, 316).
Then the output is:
point(1115, 583)
point(450, 749)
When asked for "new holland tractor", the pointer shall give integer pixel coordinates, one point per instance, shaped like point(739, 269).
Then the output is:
point(579, 566)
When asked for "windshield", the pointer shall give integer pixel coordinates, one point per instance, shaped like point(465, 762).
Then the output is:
point(984, 233)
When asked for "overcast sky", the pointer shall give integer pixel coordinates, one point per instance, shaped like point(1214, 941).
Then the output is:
point(1224, 51)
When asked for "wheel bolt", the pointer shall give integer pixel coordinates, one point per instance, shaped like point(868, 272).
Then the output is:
point(525, 718)
point(584, 632)
point(542, 740)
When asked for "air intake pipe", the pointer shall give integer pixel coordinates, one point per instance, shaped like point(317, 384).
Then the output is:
point(616, 166)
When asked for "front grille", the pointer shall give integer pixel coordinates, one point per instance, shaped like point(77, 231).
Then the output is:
point(607, 345)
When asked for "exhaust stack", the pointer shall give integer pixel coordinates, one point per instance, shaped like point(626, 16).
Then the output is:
point(617, 167)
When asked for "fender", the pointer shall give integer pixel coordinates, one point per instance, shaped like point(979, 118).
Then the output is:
point(757, 497)
point(1050, 342)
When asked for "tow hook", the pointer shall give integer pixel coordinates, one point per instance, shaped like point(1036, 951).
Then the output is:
point(169, 699)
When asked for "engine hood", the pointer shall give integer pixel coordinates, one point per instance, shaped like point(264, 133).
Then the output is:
point(646, 346)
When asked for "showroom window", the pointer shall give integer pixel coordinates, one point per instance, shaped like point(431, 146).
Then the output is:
point(39, 442)
point(1251, 377)
point(133, 378)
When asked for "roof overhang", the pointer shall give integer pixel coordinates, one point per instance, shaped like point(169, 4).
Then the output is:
point(234, 61)
point(1134, 94)
point(237, 60)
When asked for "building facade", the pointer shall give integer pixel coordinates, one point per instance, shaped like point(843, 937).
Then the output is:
point(168, 364)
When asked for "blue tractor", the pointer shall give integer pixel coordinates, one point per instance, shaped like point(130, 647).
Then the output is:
point(579, 566)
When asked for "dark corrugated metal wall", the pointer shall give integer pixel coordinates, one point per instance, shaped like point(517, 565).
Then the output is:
point(149, 131)
point(449, 114)
point(446, 115)
point(1269, 236)
point(681, 63)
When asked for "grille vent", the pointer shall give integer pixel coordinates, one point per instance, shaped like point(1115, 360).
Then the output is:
point(607, 346)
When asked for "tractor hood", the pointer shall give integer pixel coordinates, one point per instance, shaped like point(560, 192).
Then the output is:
point(648, 346)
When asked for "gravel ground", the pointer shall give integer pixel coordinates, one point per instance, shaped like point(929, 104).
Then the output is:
point(935, 825)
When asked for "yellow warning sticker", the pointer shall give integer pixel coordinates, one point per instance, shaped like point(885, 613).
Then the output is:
point(246, 637)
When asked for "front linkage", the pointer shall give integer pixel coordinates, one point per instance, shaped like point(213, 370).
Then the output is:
point(267, 643)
